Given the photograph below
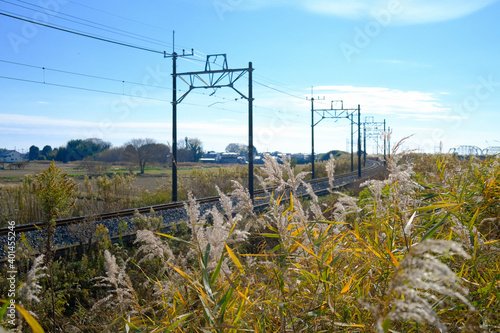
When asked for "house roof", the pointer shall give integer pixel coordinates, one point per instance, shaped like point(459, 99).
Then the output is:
point(8, 152)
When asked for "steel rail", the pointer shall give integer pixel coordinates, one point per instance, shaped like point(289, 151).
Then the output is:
point(375, 165)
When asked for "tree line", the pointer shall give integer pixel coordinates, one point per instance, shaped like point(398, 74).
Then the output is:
point(140, 151)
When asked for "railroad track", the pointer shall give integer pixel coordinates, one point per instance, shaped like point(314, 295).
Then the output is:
point(66, 238)
point(372, 168)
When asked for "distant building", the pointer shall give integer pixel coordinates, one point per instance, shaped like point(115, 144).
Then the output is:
point(301, 158)
point(211, 157)
point(11, 156)
point(232, 158)
point(258, 159)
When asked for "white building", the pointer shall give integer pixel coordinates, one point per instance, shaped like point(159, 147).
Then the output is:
point(11, 156)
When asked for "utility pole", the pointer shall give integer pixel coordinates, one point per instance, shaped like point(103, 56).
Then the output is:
point(374, 130)
point(364, 144)
point(220, 78)
point(312, 137)
point(312, 132)
point(174, 127)
point(352, 145)
point(174, 57)
point(385, 144)
point(250, 130)
point(334, 113)
point(389, 143)
point(359, 141)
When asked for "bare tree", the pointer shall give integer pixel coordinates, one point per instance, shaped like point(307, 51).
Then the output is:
point(235, 148)
point(239, 148)
point(141, 151)
point(189, 150)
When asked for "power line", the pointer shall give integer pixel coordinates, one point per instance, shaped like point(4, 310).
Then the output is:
point(260, 83)
point(84, 75)
point(132, 46)
point(130, 20)
point(279, 84)
point(122, 94)
point(201, 60)
point(96, 37)
point(92, 24)
point(122, 17)
point(278, 90)
point(80, 88)
point(137, 83)
point(237, 111)
point(83, 34)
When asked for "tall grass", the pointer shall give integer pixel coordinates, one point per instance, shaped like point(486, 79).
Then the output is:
point(19, 202)
point(200, 183)
point(342, 165)
point(115, 192)
point(416, 252)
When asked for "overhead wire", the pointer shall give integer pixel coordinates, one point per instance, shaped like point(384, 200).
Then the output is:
point(278, 90)
point(138, 47)
point(104, 78)
point(198, 61)
point(89, 23)
point(82, 34)
point(123, 32)
point(81, 88)
point(64, 29)
point(201, 60)
point(127, 19)
point(84, 75)
point(118, 94)
point(119, 16)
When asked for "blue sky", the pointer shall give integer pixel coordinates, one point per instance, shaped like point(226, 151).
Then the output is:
point(429, 68)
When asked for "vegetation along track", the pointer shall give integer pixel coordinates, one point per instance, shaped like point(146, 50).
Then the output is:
point(67, 229)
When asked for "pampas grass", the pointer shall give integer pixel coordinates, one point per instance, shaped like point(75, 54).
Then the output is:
point(416, 252)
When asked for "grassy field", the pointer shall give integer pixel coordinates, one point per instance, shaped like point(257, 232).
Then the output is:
point(417, 251)
point(102, 187)
point(109, 187)
point(148, 181)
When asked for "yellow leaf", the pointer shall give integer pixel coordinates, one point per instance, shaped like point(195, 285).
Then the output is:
point(396, 263)
point(347, 286)
point(306, 249)
point(280, 198)
point(367, 245)
point(491, 242)
point(232, 228)
point(35, 326)
point(184, 275)
point(235, 259)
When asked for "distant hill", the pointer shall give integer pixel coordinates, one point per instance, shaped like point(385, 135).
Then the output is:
point(335, 153)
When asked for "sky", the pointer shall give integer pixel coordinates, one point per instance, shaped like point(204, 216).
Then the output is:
point(429, 68)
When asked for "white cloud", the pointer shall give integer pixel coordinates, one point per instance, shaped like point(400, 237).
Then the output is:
point(410, 12)
point(280, 123)
point(385, 101)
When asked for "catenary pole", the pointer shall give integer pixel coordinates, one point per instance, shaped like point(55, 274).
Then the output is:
point(312, 137)
point(174, 127)
point(359, 141)
point(250, 130)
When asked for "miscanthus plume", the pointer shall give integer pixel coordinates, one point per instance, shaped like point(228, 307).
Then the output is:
point(423, 283)
point(28, 292)
point(121, 292)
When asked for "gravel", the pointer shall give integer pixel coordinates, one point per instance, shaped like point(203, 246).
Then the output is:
point(65, 236)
